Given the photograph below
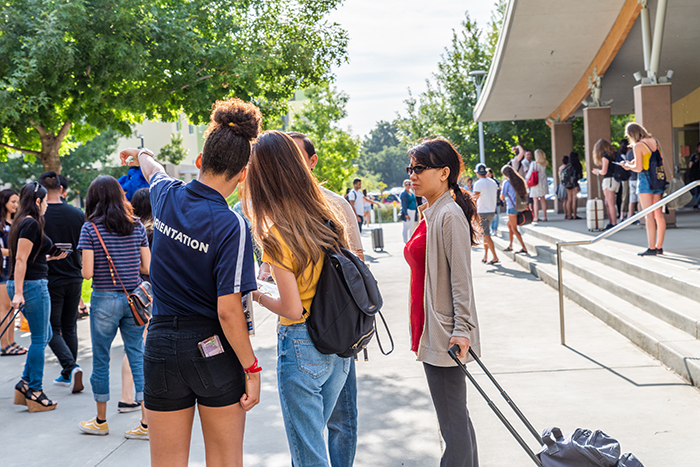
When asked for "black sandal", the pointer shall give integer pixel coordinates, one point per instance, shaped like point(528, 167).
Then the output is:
point(21, 392)
point(508, 249)
point(39, 403)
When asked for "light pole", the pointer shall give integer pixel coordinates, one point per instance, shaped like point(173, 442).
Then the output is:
point(141, 138)
point(477, 78)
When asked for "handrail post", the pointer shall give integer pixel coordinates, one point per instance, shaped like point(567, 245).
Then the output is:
point(560, 286)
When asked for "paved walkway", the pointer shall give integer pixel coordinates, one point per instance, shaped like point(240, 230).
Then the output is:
point(602, 382)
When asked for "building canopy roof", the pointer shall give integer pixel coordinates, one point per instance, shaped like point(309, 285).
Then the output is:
point(547, 51)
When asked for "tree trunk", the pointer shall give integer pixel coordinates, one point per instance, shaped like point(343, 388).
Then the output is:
point(50, 144)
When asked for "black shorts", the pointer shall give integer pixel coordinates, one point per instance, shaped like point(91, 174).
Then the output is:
point(176, 374)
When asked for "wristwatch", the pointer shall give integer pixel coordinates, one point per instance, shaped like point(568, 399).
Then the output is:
point(145, 151)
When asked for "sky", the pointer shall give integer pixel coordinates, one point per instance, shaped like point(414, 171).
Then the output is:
point(395, 45)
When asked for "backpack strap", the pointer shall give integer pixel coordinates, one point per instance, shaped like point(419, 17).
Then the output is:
point(391, 339)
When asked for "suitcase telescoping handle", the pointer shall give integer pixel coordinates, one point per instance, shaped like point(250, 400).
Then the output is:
point(12, 320)
point(453, 353)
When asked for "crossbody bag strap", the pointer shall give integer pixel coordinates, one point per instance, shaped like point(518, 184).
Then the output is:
point(112, 268)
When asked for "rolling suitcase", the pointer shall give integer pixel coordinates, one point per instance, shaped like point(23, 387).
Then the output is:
point(595, 214)
point(377, 239)
point(582, 448)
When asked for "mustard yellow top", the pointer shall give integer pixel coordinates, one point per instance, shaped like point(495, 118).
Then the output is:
point(646, 156)
point(306, 283)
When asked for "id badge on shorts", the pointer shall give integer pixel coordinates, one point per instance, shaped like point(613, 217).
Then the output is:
point(211, 346)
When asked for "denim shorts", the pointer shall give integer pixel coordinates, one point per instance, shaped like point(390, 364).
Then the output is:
point(177, 376)
point(644, 185)
point(513, 212)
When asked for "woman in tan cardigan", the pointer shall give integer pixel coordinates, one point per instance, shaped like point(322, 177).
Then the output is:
point(443, 312)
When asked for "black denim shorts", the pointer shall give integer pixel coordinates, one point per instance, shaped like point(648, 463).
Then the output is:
point(176, 374)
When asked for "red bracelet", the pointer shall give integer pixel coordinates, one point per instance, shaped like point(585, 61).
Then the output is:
point(254, 368)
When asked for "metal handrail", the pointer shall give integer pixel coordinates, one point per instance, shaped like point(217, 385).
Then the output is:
point(604, 235)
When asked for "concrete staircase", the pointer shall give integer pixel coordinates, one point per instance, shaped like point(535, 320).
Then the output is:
point(654, 302)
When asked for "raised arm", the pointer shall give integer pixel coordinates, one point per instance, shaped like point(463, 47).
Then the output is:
point(141, 158)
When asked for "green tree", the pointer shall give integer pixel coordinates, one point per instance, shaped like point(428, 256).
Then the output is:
point(77, 67)
point(336, 148)
point(384, 154)
point(173, 152)
point(81, 165)
point(445, 109)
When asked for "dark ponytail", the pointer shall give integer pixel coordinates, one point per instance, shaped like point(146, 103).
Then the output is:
point(440, 153)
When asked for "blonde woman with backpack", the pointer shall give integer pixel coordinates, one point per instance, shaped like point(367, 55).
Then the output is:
point(290, 215)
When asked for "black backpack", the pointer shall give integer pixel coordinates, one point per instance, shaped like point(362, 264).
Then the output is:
point(342, 316)
point(568, 177)
point(620, 174)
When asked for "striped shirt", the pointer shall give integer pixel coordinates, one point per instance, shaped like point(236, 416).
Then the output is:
point(125, 251)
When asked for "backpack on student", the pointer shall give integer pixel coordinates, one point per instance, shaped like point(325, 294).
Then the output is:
point(657, 174)
point(620, 174)
point(568, 177)
point(341, 319)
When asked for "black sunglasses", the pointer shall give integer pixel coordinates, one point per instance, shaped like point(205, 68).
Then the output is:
point(36, 186)
point(418, 169)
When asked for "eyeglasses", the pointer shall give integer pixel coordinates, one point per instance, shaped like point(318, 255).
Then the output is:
point(36, 186)
point(418, 169)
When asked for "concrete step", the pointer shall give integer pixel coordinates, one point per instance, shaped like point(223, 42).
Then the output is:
point(675, 348)
point(674, 308)
point(668, 306)
point(672, 272)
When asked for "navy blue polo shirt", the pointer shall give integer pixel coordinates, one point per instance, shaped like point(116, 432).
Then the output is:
point(201, 249)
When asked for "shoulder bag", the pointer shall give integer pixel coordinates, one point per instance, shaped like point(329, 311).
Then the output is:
point(140, 299)
point(534, 178)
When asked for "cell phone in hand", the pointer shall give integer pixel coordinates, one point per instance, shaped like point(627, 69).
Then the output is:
point(59, 248)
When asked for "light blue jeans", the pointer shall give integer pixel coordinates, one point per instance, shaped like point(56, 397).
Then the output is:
point(342, 426)
point(110, 311)
point(309, 384)
point(37, 310)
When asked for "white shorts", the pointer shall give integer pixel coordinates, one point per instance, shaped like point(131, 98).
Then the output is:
point(609, 183)
point(634, 196)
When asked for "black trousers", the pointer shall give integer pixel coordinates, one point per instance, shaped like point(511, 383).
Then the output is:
point(448, 389)
point(65, 300)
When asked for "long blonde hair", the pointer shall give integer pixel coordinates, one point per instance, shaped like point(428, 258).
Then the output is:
point(601, 148)
point(541, 158)
point(636, 132)
point(281, 191)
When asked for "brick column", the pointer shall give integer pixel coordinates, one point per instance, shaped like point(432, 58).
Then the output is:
point(596, 125)
point(562, 145)
point(652, 110)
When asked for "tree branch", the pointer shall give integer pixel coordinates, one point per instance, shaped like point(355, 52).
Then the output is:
point(26, 151)
point(63, 131)
point(39, 128)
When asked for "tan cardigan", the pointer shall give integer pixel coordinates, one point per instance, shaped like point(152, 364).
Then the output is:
point(450, 309)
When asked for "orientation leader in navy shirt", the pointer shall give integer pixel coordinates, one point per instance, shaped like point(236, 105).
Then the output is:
point(201, 249)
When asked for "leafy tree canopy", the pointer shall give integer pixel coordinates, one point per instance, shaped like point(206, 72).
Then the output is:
point(445, 109)
point(77, 67)
point(383, 154)
point(173, 152)
point(336, 148)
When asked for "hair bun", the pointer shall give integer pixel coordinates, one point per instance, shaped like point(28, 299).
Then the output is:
point(242, 118)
